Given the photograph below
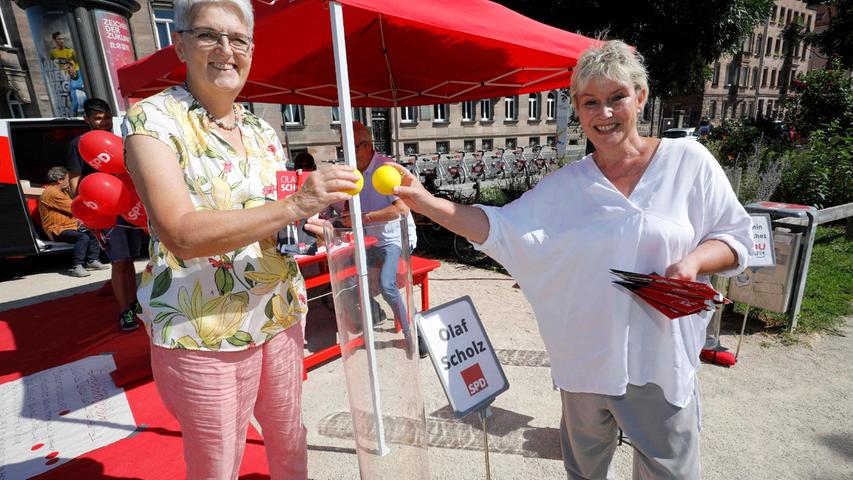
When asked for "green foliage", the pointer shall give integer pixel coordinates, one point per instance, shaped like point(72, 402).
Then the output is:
point(821, 170)
point(819, 98)
point(679, 40)
point(835, 41)
point(493, 195)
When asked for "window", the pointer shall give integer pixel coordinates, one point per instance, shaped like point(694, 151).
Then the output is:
point(769, 47)
point(486, 112)
point(808, 23)
point(408, 115)
point(744, 76)
point(769, 107)
point(749, 109)
point(712, 110)
point(731, 75)
point(533, 141)
point(781, 15)
point(551, 140)
point(15, 105)
point(551, 106)
point(410, 148)
point(510, 142)
point(439, 113)
point(764, 77)
point(761, 106)
point(442, 147)
point(715, 77)
point(293, 114)
point(773, 14)
point(758, 44)
point(358, 115)
point(773, 78)
point(511, 114)
point(488, 144)
point(754, 77)
point(164, 22)
point(778, 46)
point(4, 33)
point(468, 145)
point(468, 111)
point(533, 106)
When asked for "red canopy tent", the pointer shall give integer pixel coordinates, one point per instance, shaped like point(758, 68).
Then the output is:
point(421, 51)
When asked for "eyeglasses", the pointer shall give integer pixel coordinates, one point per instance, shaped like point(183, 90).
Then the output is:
point(208, 38)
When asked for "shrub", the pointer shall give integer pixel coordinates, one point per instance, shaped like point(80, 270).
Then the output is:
point(821, 170)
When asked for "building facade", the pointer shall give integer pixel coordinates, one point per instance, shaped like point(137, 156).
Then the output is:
point(55, 54)
point(756, 79)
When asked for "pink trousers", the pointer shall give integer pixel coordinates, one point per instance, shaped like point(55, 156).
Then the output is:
point(213, 395)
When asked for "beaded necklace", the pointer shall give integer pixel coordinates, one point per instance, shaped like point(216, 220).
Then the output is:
point(213, 119)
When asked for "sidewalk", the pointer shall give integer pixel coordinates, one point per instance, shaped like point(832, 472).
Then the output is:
point(784, 412)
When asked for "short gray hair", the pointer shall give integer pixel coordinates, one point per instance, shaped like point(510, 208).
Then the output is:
point(614, 60)
point(185, 10)
point(56, 174)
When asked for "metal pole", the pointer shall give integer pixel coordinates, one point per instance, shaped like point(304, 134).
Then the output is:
point(482, 414)
point(393, 92)
point(345, 107)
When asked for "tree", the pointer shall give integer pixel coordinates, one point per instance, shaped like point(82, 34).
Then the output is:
point(837, 40)
point(678, 39)
point(819, 98)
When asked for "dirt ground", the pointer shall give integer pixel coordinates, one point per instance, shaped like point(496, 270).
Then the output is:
point(783, 412)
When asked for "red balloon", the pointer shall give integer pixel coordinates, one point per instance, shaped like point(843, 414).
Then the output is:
point(136, 214)
point(103, 150)
point(126, 180)
point(92, 219)
point(104, 193)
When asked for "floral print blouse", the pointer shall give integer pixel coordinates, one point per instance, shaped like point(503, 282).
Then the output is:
point(241, 298)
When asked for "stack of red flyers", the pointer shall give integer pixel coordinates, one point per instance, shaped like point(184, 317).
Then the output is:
point(674, 298)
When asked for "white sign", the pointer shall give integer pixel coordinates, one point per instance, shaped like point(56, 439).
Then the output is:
point(462, 355)
point(53, 416)
point(764, 254)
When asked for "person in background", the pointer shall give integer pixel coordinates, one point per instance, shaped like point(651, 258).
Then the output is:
point(380, 219)
point(304, 161)
point(60, 225)
point(122, 241)
point(221, 305)
point(639, 204)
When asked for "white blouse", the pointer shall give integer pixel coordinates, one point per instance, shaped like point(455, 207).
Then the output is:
point(560, 239)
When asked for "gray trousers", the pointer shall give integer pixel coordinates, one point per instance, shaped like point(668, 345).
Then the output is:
point(665, 437)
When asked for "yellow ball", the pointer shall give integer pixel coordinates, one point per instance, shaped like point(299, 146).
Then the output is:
point(385, 178)
point(358, 184)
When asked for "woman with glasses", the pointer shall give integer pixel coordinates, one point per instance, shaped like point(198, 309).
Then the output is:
point(222, 307)
point(637, 203)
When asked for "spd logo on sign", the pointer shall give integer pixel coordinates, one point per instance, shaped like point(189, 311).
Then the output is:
point(474, 379)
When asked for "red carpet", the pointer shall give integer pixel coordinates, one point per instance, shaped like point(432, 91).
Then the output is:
point(53, 333)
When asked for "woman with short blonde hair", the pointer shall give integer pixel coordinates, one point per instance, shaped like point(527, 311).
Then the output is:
point(639, 204)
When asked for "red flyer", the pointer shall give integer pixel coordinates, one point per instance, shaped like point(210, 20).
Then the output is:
point(672, 297)
point(288, 182)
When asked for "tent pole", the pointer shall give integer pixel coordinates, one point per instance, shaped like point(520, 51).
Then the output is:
point(345, 107)
point(393, 91)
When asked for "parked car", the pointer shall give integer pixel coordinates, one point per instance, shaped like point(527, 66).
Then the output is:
point(681, 133)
